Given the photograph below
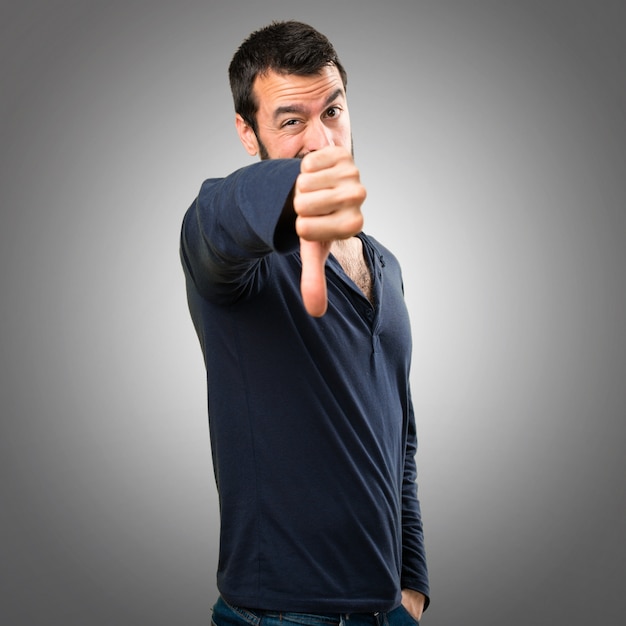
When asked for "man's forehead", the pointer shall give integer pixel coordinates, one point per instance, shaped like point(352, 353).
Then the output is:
point(274, 88)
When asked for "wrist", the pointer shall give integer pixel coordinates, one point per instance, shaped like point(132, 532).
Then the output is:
point(414, 602)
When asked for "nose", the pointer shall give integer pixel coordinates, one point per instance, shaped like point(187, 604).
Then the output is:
point(318, 135)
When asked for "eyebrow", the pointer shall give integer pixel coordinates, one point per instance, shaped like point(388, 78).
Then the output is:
point(294, 108)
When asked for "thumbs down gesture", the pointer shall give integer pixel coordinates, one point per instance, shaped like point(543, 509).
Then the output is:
point(327, 201)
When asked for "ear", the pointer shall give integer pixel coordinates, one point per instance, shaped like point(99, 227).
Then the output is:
point(246, 135)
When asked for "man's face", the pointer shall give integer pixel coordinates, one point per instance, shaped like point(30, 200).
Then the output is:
point(297, 115)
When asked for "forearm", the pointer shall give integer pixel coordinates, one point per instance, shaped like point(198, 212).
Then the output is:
point(414, 566)
point(240, 213)
point(237, 220)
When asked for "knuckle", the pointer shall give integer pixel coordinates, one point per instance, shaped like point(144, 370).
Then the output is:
point(307, 164)
point(307, 228)
point(356, 223)
point(357, 194)
point(302, 229)
point(303, 181)
point(299, 204)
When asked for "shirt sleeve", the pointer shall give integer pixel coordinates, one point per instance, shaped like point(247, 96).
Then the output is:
point(414, 568)
point(234, 224)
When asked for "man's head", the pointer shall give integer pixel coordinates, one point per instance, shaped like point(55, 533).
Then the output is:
point(284, 68)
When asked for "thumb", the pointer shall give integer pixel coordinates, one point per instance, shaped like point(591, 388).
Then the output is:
point(313, 280)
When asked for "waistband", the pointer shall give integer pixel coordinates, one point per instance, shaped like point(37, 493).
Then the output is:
point(253, 617)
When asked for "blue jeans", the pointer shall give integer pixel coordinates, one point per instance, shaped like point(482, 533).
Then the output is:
point(226, 615)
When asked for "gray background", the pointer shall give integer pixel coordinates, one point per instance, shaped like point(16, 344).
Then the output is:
point(492, 140)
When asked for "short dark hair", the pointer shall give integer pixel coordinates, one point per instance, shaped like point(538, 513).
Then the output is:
point(283, 47)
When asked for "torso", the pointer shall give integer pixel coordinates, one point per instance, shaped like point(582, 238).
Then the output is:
point(349, 253)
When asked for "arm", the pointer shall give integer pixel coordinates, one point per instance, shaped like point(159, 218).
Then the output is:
point(415, 587)
point(235, 223)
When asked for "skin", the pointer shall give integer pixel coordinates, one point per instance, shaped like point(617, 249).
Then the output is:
point(307, 117)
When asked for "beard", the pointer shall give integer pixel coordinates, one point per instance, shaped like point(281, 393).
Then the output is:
point(264, 155)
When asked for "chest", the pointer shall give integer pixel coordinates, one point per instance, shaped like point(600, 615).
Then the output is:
point(351, 257)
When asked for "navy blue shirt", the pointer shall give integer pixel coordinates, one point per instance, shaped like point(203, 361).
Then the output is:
point(312, 427)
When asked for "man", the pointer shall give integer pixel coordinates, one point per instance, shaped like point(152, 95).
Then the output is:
point(306, 342)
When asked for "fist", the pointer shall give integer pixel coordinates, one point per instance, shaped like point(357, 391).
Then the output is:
point(328, 196)
point(327, 201)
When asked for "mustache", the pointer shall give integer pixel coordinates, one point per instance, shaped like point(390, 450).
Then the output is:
point(264, 154)
point(301, 155)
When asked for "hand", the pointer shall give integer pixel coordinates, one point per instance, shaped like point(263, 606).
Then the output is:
point(327, 201)
point(413, 602)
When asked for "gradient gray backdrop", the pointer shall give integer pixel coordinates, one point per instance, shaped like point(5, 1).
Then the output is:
point(492, 139)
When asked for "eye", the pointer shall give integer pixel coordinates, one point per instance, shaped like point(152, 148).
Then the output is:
point(290, 123)
point(333, 112)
